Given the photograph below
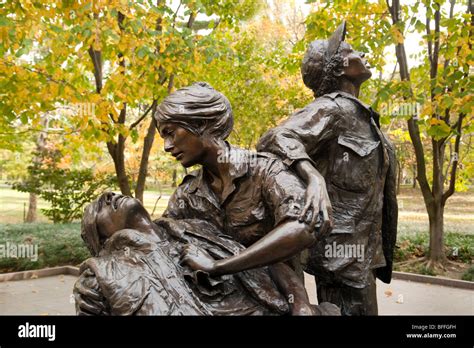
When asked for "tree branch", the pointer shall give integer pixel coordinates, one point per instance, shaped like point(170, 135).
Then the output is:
point(191, 19)
point(413, 128)
point(96, 57)
point(452, 180)
point(434, 63)
point(428, 37)
point(48, 76)
point(137, 122)
point(123, 111)
point(176, 13)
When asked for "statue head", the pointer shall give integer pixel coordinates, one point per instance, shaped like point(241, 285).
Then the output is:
point(108, 214)
point(190, 119)
point(327, 62)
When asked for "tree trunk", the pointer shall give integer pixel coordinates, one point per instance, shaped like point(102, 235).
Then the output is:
point(436, 207)
point(32, 215)
point(116, 151)
point(435, 214)
point(414, 176)
point(174, 184)
point(399, 179)
point(143, 171)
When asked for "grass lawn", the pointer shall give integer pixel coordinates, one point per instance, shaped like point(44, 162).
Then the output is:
point(14, 204)
point(458, 216)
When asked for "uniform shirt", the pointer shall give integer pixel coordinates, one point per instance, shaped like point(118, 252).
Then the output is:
point(263, 194)
point(339, 135)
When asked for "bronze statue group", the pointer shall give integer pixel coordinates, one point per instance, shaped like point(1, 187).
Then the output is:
point(318, 196)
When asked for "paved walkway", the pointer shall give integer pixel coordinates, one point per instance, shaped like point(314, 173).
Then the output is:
point(41, 296)
point(402, 297)
point(52, 296)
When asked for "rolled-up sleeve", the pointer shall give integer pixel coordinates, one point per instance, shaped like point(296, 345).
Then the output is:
point(283, 192)
point(302, 134)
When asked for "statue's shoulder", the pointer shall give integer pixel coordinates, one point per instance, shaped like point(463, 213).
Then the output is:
point(328, 103)
point(270, 164)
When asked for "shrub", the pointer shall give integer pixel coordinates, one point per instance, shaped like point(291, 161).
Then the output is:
point(458, 247)
point(67, 190)
point(57, 245)
point(469, 274)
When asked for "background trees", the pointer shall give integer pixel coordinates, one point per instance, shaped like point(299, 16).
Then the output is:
point(110, 61)
point(97, 70)
point(442, 83)
point(432, 94)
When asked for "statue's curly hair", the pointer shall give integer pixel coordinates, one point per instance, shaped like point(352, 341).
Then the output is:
point(330, 81)
point(200, 109)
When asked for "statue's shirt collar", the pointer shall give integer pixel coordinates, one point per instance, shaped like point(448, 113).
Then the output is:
point(238, 161)
point(373, 114)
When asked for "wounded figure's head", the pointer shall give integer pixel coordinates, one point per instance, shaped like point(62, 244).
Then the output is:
point(108, 214)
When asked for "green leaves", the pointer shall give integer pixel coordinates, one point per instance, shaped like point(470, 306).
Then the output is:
point(438, 129)
point(46, 65)
point(67, 190)
point(115, 55)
